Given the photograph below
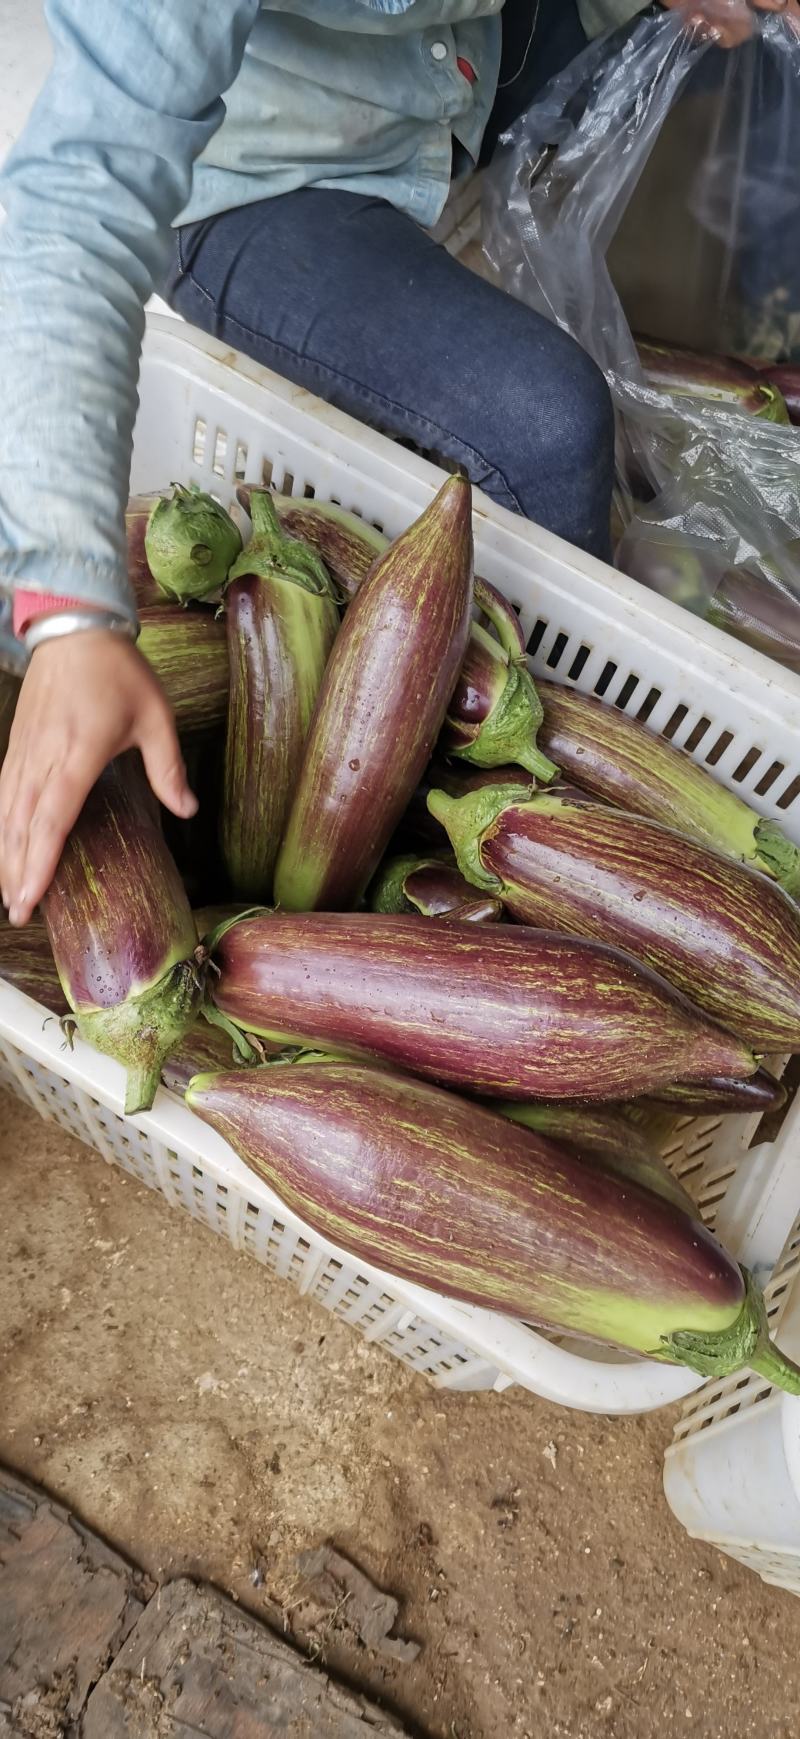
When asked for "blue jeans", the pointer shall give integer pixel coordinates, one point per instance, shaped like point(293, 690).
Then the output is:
point(348, 297)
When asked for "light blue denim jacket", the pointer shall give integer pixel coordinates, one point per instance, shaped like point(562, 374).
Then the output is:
point(131, 135)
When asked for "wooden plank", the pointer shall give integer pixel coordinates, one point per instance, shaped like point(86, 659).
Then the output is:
point(67, 1603)
point(197, 1667)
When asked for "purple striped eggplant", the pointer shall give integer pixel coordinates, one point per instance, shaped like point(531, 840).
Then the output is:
point(616, 758)
point(419, 829)
point(495, 711)
point(282, 621)
point(603, 1135)
point(432, 889)
point(723, 934)
point(122, 932)
point(9, 695)
point(718, 1098)
point(716, 379)
point(759, 609)
point(348, 546)
point(499, 1010)
point(190, 544)
point(26, 961)
point(449, 1195)
point(380, 708)
point(188, 652)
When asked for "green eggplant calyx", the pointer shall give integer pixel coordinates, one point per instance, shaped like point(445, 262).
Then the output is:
point(466, 820)
point(509, 732)
point(778, 855)
point(271, 547)
point(745, 1343)
point(141, 1031)
point(247, 1048)
point(190, 544)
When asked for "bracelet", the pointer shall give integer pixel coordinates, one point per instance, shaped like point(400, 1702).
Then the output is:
point(66, 622)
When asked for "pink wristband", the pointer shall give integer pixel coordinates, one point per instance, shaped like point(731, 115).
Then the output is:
point(29, 605)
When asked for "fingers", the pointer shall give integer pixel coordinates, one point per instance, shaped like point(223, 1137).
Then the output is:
point(157, 740)
point(57, 808)
point(40, 798)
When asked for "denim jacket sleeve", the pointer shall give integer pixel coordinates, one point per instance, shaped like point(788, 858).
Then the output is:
point(90, 191)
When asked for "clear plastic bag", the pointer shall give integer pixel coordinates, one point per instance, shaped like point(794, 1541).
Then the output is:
point(708, 498)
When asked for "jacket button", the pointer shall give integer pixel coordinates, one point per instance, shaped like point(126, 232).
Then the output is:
point(439, 50)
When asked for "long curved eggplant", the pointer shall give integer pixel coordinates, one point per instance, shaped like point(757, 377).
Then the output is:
point(122, 932)
point(615, 757)
point(499, 1010)
point(188, 652)
point(494, 713)
point(380, 708)
point(723, 934)
point(606, 1136)
point(282, 621)
point(449, 1195)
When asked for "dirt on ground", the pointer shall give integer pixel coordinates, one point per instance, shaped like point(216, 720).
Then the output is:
point(209, 1422)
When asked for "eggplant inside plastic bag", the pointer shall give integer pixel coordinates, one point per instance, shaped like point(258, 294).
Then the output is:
point(708, 496)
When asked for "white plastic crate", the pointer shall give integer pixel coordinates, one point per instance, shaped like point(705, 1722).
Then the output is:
point(210, 415)
point(732, 1473)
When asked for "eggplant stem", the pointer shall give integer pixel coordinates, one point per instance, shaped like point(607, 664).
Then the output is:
point(248, 1049)
point(745, 1344)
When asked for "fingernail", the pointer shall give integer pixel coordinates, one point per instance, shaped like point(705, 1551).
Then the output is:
point(15, 914)
point(189, 805)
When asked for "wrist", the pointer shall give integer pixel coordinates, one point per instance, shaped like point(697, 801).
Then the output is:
point(70, 619)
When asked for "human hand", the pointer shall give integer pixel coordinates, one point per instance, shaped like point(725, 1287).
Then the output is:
point(730, 22)
point(85, 698)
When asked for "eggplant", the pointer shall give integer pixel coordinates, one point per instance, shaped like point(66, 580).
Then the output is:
point(122, 931)
point(348, 546)
point(761, 611)
point(446, 1194)
point(188, 652)
point(282, 621)
point(603, 1135)
point(495, 711)
point(418, 828)
point(617, 758)
point(190, 544)
point(26, 961)
point(760, 1094)
point(499, 1010)
point(380, 708)
point(715, 379)
point(723, 934)
point(785, 378)
point(430, 888)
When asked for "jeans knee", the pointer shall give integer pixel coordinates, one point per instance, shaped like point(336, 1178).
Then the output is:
point(559, 436)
